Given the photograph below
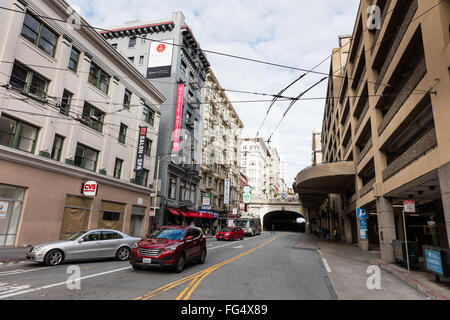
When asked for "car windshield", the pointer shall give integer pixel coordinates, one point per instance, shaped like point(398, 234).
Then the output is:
point(75, 236)
point(169, 234)
point(227, 229)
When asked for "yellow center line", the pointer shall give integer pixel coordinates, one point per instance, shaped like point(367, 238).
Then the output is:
point(197, 278)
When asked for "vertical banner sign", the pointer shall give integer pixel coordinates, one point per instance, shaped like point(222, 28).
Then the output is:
point(140, 150)
point(160, 59)
point(363, 217)
point(178, 117)
point(409, 206)
point(226, 192)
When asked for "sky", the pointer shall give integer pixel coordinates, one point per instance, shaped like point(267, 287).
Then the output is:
point(294, 33)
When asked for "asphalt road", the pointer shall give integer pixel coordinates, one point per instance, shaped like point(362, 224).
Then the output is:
point(259, 268)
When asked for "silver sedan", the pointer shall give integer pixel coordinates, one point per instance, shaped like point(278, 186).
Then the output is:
point(89, 245)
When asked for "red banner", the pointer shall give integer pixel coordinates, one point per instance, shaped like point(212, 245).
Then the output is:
point(178, 117)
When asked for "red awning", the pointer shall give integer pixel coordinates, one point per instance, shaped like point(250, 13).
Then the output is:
point(173, 211)
point(191, 214)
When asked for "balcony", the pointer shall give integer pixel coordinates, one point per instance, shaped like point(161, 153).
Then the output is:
point(365, 150)
point(366, 188)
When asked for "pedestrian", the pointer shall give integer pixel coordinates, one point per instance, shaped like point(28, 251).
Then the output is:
point(273, 228)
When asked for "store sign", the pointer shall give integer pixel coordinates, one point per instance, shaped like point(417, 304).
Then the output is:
point(3, 209)
point(226, 195)
point(90, 188)
point(178, 117)
point(247, 194)
point(206, 199)
point(242, 206)
point(409, 206)
point(160, 59)
point(141, 147)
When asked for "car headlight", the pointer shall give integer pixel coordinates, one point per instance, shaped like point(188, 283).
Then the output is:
point(171, 248)
point(37, 249)
point(135, 246)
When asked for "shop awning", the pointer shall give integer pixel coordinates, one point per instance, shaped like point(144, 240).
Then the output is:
point(192, 214)
point(174, 212)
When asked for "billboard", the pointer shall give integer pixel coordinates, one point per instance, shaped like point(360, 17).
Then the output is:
point(160, 59)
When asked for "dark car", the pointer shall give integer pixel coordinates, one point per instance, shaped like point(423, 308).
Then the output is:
point(230, 233)
point(170, 247)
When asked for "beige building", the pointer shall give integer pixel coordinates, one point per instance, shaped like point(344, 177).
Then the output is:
point(316, 148)
point(71, 108)
point(385, 130)
point(222, 129)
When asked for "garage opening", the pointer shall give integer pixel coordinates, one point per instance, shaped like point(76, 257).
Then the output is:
point(284, 221)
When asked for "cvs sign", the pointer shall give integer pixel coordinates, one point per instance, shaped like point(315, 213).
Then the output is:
point(90, 188)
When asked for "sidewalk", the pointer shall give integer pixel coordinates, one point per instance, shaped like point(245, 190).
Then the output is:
point(12, 254)
point(350, 256)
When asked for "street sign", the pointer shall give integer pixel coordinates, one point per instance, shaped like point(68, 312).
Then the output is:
point(247, 198)
point(206, 199)
point(434, 261)
point(361, 214)
point(363, 229)
point(409, 206)
point(247, 189)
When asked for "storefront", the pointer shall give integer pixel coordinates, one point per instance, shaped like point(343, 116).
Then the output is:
point(206, 220)
point(46, 202)
point(11, 203)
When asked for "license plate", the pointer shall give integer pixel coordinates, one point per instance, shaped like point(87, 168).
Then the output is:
point(146, 260)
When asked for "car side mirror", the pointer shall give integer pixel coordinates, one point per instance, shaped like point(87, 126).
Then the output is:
point(190, 238)
point(80, 240)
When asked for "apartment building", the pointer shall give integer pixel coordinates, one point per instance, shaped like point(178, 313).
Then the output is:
point(261, 164)
point(222, 129)
point(72, 114)
point(168, 55)
point(385, 130)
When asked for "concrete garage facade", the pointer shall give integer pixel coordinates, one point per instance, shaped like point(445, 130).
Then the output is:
point(387, 114)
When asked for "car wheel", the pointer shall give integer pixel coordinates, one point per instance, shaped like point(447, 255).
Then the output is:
point(202, 258)
point(242, 238)
point(179, 264)
point(54, 258)
point(123, 254)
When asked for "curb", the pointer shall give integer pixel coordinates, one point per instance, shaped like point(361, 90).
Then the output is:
point(411, 282)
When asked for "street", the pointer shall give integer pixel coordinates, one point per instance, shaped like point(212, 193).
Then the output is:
point(265, 267)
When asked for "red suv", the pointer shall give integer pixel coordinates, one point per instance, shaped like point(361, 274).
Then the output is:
point(170, 247)
point(230, 233)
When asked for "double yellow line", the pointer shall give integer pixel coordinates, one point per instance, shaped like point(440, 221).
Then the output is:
point(196, 278)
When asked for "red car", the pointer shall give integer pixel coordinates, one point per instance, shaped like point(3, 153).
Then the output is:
point(170, 247)
point(230, 233)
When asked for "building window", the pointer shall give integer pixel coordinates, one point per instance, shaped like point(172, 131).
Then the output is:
point(17, 134)
point(74, 58)
point(184, 191)
point(118, 168)
point(148, 147)
point(127, 99)
point(192, 200)
point(141, 60)
point(131, 59)
point(142, 177)
point(132, 42)
point(122, 133)
point(93, 117)
point(39, 34)
point(172, 187)
point(66, 101)
point(57, 147)
point(111, 215)
point(114, 45)
point(86, 157)
point(183, 67)
point(28, 82)
point(99, 78)
point(149, 115)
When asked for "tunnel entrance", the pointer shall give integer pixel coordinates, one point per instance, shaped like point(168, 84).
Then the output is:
point(283, 221)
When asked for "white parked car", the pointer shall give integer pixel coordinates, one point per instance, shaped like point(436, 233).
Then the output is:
point(89, 245)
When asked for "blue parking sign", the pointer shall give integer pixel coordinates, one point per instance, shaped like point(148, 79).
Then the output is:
point(434, 261)
point(361, 214)
point(363, 229)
